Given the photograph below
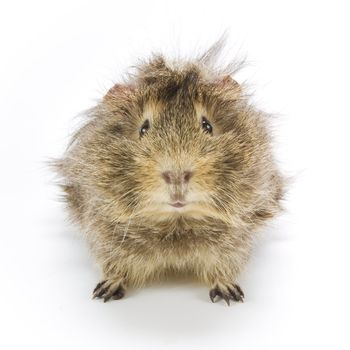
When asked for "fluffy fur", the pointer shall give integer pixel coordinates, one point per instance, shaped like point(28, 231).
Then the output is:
point(118, 188)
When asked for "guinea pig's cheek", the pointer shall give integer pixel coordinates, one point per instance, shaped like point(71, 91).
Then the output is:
point(160, 196)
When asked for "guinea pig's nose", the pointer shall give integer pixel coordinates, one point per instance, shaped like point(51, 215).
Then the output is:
point(172, 178)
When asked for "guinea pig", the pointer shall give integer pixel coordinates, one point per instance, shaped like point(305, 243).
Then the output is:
point(172, 173)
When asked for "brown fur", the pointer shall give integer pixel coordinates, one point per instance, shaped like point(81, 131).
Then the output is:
point(114, 187)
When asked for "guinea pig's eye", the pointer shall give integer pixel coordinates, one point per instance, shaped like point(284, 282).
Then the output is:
point(144, 128)
point(207, 126)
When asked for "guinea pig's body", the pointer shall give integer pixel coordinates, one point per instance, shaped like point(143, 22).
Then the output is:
point(172, 173)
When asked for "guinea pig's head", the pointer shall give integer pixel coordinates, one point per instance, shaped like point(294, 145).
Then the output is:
point(176, 141)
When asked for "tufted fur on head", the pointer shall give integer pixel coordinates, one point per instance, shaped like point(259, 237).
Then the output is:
point(172, 172)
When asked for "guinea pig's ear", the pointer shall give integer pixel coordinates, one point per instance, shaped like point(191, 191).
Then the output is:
point(119, 91)
point(228, 83)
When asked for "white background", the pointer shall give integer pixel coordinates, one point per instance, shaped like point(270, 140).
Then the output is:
point(58, 58)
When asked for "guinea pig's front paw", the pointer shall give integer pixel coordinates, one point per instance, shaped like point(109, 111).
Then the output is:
point(109, 289)
point(228, 292)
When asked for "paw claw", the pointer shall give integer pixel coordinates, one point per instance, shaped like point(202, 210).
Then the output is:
point(213, 293)
point(112, 290)
point(227, 299)
point(233, 292)
point(119, 293)
point(240, 291)
point(99, 285)
point(100, 292)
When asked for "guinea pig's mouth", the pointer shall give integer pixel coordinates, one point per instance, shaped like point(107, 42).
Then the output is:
point(177, 204)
